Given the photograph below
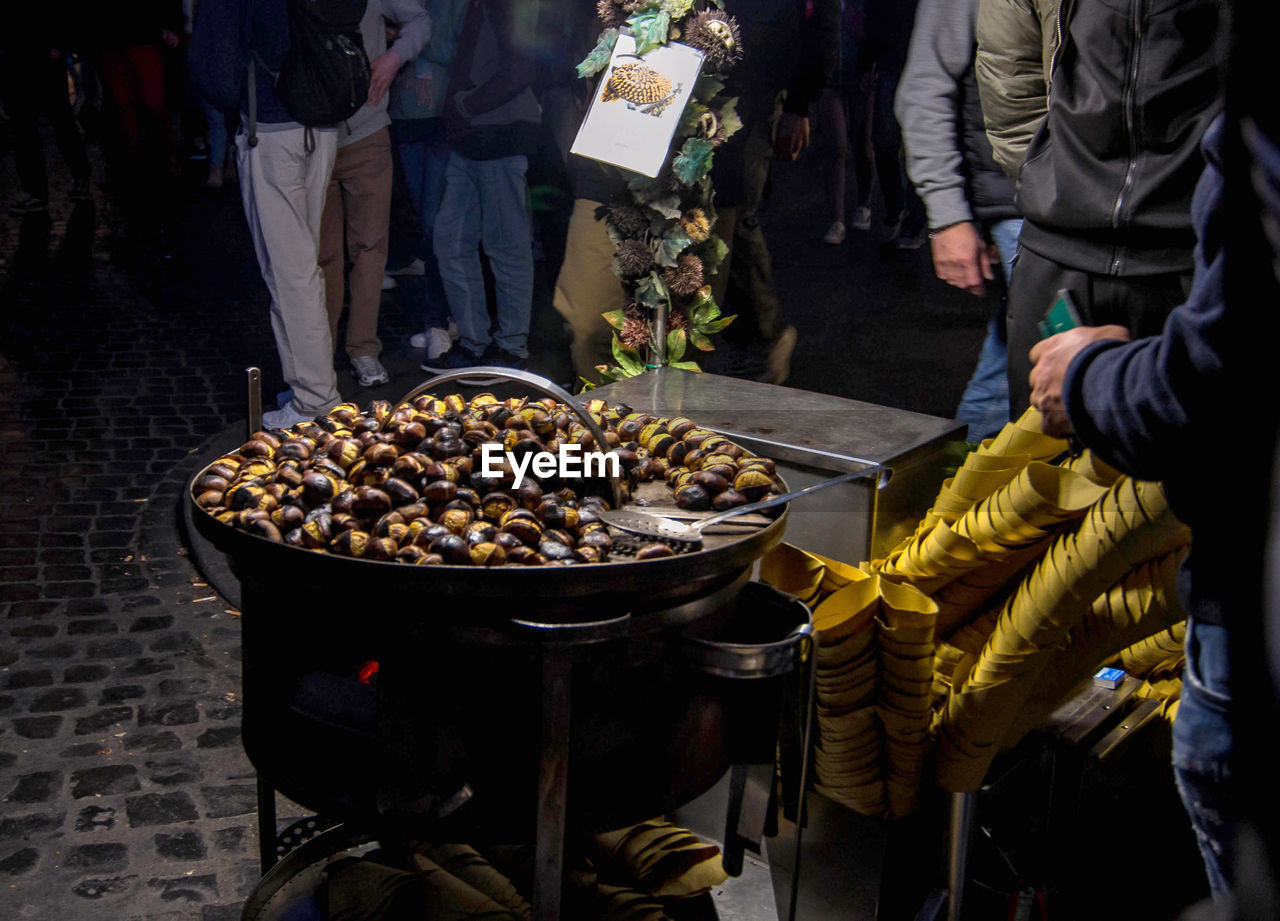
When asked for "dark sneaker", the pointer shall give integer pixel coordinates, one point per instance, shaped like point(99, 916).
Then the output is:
point(79, 190)
point(501, 358)
point(456, 357)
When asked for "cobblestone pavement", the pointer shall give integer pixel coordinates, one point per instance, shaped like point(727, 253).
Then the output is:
point(124, 791)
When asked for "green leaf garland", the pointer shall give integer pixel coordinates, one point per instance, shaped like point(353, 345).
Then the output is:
point(679, 204)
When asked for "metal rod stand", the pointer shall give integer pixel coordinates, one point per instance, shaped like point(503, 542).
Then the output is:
point(553, 786)
point(959, 825)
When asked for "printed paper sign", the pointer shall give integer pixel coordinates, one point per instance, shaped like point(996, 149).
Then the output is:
point(637, 105)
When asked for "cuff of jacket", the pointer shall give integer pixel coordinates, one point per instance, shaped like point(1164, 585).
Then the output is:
point(946, 206)
point(1075, 401)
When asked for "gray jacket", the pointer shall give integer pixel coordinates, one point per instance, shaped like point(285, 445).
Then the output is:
point(948, 156)
point(415, 32)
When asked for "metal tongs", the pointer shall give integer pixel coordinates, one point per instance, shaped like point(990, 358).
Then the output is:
point(650, 525)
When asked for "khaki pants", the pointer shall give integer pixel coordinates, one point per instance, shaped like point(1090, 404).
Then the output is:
point(587, 288)
point(359, 199)
point(283, 190)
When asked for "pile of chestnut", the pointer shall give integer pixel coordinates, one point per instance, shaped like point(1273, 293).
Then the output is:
point(407, 483)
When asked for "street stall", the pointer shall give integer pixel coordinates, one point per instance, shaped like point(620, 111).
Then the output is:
point(400, 676)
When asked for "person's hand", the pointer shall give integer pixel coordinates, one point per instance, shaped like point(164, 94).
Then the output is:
point(169, 38)
point(1050, 359)
point(791, 136)
point(961, 257)
point(383, 70)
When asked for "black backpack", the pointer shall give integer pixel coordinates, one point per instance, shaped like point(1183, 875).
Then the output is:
point(325, 75)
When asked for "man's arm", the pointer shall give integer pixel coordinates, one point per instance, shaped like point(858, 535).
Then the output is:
point(412, 36)
point(928, 109)
point(1159, 402)
point(1016, 39)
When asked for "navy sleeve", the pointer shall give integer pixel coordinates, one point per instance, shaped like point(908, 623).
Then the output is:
point(1153, 406)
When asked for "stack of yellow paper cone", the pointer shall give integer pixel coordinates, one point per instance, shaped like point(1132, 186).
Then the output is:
point(1162, 651)
point(905, 631)
point(1143, 603)
point(365, 890)
point(658, 858)
point(794, 571)
point(1128, 526)
point(847, 754)
point(465, 863)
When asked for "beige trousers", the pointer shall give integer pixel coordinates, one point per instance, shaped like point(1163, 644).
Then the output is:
point(586, 288)
point(359, 201)
point(283, 185)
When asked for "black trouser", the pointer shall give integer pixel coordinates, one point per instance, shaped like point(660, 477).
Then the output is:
point(1139, 303)
point(32, 84)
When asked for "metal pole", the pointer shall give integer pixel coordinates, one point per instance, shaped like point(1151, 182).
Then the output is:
point(959, 822)
point(254, 388)
point(811, 704)
point(553, 786)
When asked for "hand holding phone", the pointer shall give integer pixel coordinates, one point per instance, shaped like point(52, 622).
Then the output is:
point(1061, 316)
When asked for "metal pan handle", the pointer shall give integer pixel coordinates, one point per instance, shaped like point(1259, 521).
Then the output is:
point(543, 386)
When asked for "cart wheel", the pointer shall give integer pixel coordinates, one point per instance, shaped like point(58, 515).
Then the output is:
point(300, 874)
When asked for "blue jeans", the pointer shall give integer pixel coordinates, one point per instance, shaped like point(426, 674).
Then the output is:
point(485, 202)
point(985, 402)
point(423, 163)
point(1202, 750)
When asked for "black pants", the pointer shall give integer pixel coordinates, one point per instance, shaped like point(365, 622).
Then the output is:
point(34, 84)
point(1139, 303)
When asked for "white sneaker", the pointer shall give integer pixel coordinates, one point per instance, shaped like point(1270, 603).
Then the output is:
point(438, 342)
point(435, 340)
point(369, 371)
point(388, 282)
point(835, 234)
point(284, 418)
point(861, 218)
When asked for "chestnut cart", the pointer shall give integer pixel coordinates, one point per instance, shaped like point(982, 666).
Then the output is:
point(515, 704)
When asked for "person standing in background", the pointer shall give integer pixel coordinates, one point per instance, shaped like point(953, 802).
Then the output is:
point(844, 116)
point(358, 203)
point(33, 77)
point(417, 129)
point(1105, 186)
point(492, 119)
point(884, 54)
point(131, 38)
point(968, 201)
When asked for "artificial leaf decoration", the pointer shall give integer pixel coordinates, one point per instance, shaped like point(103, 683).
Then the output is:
point(628, 359)
point(676, 340)
point(600, 54)
point(650, 29)
point(694, 160)
point(663, 229)
point(672, 245)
